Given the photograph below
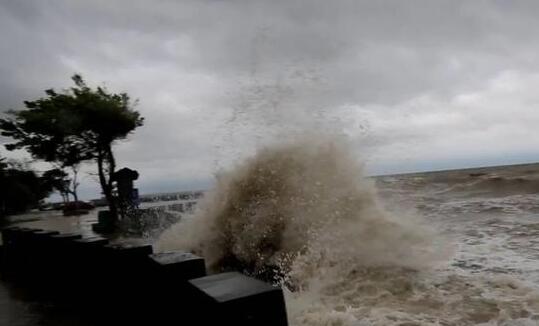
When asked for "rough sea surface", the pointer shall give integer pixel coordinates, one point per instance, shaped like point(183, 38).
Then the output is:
point(489, 219)
point(441, 248)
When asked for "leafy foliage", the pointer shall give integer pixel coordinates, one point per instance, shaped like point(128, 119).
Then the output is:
point(19, 189)
point(57, 179)
point(73, 126)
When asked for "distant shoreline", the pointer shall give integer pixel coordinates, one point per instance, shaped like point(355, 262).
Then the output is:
point(467, 169)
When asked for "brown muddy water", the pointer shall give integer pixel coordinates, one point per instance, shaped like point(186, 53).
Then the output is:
point(444, 248)
point(468, 253)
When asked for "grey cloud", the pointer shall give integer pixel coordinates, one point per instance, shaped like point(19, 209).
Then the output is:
point(212, 76)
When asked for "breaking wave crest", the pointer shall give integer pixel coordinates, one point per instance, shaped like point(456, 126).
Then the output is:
point(302, 215)
point(496, 186)
point(305, 201)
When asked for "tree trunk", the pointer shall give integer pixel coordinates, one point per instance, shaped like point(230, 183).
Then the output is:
point(111, 169)
point(75, 183)
point(74, 194)
point(106, 183)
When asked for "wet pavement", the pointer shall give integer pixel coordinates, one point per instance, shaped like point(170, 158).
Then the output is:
point(19, 307)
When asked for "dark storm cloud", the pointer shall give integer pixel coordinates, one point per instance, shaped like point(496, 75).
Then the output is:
point(411, 74)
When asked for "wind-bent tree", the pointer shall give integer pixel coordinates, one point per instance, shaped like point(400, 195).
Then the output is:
point(58, 179)
point(76, 125)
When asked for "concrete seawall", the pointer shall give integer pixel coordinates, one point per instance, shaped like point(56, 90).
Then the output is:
point(127, 284)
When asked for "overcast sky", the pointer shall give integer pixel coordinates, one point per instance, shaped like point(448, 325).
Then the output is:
point(417, 85)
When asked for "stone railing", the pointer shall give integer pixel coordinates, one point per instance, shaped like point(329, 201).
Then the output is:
point(129, 284)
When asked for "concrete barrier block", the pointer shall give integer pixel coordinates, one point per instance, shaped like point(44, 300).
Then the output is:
point(178, 265)
point(121, 271)
point(63, 247)
point(66, 237)
point(128, 251)
point(235, 299)
point(91, 242)
point(24, 242)
point(40, 249)
point(42, 237)
point(23, 236)
point(18, 252)
point(44, 233)
point(89, 248)
point(60, 263)
point(126, 262)
point(86, 255)
point(9, 252)
point(8, 235)
point(8, 242)
point(167, 284)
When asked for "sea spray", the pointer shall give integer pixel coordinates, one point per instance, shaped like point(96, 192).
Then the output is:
point(294, 211)
point(301, 214)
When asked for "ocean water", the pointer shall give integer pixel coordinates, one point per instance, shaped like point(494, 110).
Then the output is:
point(441, 248)
point(489, 219)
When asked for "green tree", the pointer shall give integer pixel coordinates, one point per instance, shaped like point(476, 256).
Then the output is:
point(20, 189)
point(76, 125)
point(58, 179)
